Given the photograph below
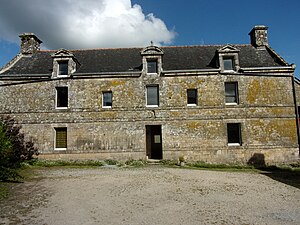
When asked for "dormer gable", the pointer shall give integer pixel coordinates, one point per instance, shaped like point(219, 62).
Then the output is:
point(152, 60)
point(228, 58)
point(64, 63)
point(62, 53)
point(152, 50)
point(228, 49)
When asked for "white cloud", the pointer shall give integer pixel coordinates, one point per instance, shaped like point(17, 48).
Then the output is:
point(74, 24)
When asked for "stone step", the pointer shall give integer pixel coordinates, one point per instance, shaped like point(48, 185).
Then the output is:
point(153, 161)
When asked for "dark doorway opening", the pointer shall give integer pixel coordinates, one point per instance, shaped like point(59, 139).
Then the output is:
point(153, 141)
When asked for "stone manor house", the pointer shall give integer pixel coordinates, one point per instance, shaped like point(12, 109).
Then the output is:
point(213, 103)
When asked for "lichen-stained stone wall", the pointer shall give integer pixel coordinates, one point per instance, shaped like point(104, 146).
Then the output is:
point(266, 112)
point(297, 91)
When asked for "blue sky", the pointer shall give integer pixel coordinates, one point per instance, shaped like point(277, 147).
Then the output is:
point(173, 22)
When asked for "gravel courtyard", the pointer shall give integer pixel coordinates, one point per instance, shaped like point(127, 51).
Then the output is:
point(151, 195)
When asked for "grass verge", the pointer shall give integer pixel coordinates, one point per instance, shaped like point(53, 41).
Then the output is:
point(4, 190)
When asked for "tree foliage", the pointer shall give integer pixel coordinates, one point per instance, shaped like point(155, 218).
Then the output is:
point(14, 149)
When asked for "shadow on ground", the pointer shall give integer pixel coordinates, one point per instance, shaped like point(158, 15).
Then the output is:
point(289, 175)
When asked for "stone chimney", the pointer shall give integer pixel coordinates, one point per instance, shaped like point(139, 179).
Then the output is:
point(29, 43)
point(258, 36)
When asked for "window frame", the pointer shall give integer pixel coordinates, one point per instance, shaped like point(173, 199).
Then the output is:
point(111, 99)
point(231, 58)
point(231, 140)
point(196, 97)
point(59, 63)
point(152, 60)
point(236, 93)
point(57, 97)
point(157, 95)
point(56, 129)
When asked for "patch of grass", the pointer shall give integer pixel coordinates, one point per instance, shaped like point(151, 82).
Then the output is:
point(4, 191)
point(136, 163)
point(220, 167)
point(111, 162)
point(61, 163)
point(295, 165)
point(82, 163)
point(237, 167)
point(168, 162)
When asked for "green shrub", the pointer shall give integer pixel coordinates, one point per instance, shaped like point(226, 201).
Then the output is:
point(13, 148)
point(9, 174)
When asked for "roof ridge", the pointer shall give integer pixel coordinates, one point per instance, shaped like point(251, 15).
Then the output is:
point(120, 48)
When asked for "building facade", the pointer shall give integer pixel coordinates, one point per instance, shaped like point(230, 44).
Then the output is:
point(216, 103)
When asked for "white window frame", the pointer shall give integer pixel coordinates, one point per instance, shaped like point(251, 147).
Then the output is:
point(55, 131)
point(240, 135)
point(56, 97)
point(103, 106)
point(58, 68)
point(236, 93)
point(192, 104)
point(148, 86)
point(231, 58)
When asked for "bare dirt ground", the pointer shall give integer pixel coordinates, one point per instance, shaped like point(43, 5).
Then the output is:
point(150, 195)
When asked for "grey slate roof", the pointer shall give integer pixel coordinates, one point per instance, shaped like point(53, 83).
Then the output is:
point(130, 59)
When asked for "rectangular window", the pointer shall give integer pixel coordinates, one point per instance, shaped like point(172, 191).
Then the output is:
point(61, 97)
point(234, 134)
point(151, 66)
point(107, 99)
point(192, 97)
point(152, 96)
point(62, 68)
point(61, 138)
point(231, 93)
point(228, 64)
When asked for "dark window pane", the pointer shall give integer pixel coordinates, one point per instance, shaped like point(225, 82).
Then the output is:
point(152, 95)
point(107, 99)
point(192, 96)
point(228, 64)
point(231, 94)
point(61, 137)
point(62, 97)
point(63, 68)
point(151, 66)
point(234, 133)
point(230, 99)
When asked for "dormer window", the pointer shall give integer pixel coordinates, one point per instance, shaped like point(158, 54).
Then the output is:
point(63, 68)
point(151, 66)
point(228, 58)
point(64, 63)
point(228, 64)
point(152, 60)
